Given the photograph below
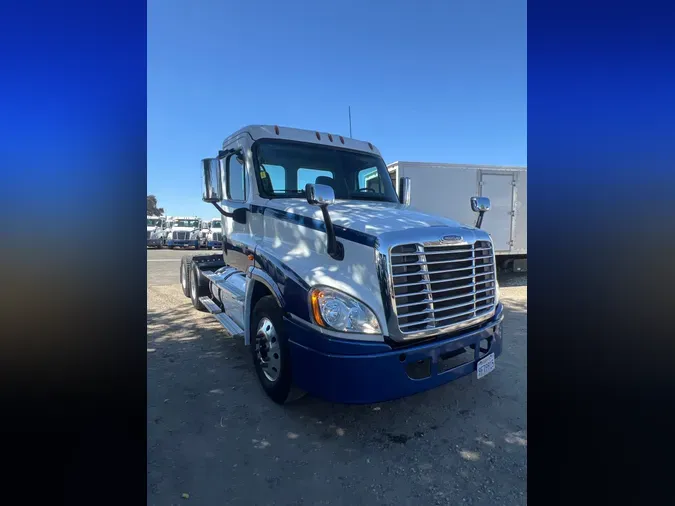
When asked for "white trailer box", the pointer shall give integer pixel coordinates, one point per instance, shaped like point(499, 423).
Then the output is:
point(445, 189)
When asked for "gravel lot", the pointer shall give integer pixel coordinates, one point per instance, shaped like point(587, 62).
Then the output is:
point(215, 438)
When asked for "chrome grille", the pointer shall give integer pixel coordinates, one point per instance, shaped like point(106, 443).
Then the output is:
point(181, 236)
point(218, 237)
point(439, 286)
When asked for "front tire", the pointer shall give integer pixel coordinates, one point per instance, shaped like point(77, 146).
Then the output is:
point(271, 351)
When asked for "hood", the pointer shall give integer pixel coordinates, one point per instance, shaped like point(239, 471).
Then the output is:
point(373, 218)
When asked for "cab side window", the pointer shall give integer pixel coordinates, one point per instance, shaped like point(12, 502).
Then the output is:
point(236, 178)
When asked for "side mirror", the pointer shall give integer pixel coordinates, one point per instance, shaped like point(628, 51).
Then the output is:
point(404, 195)
point(323, 195)
point(212, 191)
point(480, 205)
point(319, 194)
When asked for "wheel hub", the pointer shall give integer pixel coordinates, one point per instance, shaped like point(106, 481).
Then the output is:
point(267, 349)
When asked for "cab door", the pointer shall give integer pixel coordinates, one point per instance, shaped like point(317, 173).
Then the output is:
point(238, 237)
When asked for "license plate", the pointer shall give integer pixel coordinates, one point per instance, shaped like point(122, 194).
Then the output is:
point(485, 365)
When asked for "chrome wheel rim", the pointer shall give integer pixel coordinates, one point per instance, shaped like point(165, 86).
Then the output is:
point(267, 349)
point(183, 277)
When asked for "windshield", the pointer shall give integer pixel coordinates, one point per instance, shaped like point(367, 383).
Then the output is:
point(283, 168)
point(153, 222)
point(186, 223)
point(215, 224)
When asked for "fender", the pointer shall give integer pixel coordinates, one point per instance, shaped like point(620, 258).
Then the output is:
point(256, 274)
point(289, 290)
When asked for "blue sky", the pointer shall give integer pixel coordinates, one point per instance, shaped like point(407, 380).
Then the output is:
point(442, 81)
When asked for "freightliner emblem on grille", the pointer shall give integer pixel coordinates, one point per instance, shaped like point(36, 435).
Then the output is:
point(448, 239)
point(452, 238)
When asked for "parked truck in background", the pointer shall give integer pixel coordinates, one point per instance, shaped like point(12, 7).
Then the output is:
point(155, 228)
point(199, 234)
point(336, 284)
point(442, 189)
point(179, 230)
point(214, 234)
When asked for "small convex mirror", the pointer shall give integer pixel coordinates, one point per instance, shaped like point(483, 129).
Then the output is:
point(480, 204)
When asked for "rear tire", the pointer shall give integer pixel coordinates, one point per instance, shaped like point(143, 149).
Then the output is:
point(185, 265)
point(271, 351)
point(199, 287)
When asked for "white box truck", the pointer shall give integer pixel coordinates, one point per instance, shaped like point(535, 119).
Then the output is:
point(444, 188)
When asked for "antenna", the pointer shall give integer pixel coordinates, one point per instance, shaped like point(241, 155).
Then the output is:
point(350, 121)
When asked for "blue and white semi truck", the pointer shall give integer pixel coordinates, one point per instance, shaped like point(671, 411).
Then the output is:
point(337, 285)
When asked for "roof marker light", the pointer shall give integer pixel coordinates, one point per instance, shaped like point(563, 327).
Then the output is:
point(342, 139)
point(330, 137)
point(318, 135)
point(276, 129)
point(371, 146)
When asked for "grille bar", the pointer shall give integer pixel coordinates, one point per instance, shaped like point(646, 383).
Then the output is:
point(441, 261)
point(444, 299)
point(427, 253)
point(431, 293)
point(448, 308)
point(443, 290)
point(408, 274)
point(428, 320)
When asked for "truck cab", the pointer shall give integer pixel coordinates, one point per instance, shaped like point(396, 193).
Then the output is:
point(179, 232)
point(336, 284)
point(155, 228)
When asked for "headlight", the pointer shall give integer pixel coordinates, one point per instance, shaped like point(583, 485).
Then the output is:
point(338, 311)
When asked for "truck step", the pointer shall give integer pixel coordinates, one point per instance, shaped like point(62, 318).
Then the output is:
point(210, 306)
point(232, 329)
point(229, 325)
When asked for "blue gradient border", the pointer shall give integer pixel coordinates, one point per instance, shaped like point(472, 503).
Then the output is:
point(601, 164)
point(72, 296)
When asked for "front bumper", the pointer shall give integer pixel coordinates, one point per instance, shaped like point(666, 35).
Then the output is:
point(182, 243)
point(214, 244)
point(154, 242)
point(361, 372)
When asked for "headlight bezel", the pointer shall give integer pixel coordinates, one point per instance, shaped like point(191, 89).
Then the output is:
point(317, 315)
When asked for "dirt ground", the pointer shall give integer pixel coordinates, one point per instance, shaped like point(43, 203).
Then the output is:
point(215, 438)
